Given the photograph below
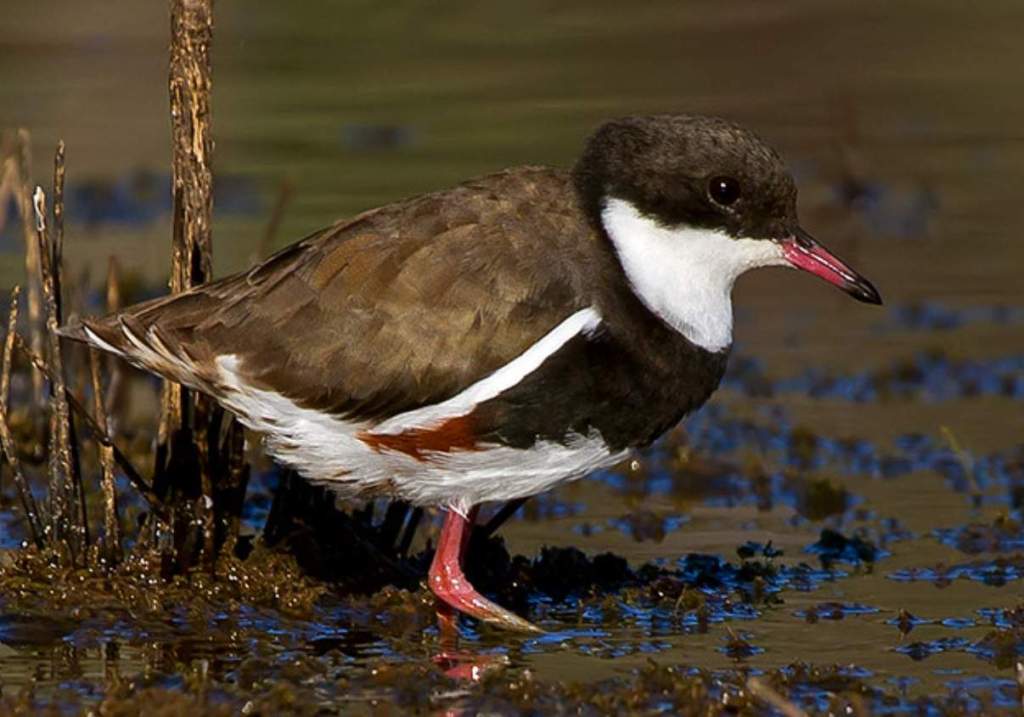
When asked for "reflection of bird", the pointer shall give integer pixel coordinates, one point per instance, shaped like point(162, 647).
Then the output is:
point(491, 341)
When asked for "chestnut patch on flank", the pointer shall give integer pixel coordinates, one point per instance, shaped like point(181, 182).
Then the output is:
point(454, 434)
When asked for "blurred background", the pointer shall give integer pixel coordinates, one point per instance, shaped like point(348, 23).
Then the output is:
point(903, 122)
point(910, 114)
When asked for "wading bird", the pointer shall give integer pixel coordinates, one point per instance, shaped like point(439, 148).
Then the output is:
point(491, 341)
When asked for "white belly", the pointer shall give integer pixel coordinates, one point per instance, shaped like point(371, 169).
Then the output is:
point(328, 450)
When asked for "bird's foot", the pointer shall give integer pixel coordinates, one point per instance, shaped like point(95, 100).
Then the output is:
point(455, 591)
point(450, 585)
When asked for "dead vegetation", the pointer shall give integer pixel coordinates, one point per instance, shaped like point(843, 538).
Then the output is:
point(193, 502)
point(67, 427)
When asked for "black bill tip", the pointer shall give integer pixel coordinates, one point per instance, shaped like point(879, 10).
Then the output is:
point(863, 290)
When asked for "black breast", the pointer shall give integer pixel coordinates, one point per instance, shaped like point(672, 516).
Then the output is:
point(630, 386)
point(630, 381)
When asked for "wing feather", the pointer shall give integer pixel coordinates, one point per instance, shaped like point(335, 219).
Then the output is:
point(396, 309)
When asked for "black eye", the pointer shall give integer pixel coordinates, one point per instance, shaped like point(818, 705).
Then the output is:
point(724, 190)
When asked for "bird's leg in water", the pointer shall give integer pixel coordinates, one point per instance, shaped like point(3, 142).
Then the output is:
point(449, 583)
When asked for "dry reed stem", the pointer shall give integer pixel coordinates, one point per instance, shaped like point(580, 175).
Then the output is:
point(389, 531)
point(405, 542)
point(28, 502)
point(235, 484)
point(111, 522)
point(8, 174)
point(764, 692)
point(189, 83)
point(191, 176)
point(59, 450)
point(12, 323)
point(156, 505)
point(205, 511)
point(58, 218)
point(113, 295)
point(115, 367)
point(76, 486)
point(34, 290)
point(66, 493)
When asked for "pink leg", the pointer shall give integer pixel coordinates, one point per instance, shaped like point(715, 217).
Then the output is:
point(449, 583)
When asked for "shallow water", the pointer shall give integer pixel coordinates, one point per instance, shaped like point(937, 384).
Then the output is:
point(903, 127)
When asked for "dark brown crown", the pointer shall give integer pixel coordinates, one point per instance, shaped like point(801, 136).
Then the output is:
point(664, 164)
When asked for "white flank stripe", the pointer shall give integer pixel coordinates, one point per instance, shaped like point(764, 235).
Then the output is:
point(327, 449)
point(584, 321)
point(685, 275)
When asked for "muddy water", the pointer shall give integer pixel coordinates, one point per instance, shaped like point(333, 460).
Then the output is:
point(903, 125)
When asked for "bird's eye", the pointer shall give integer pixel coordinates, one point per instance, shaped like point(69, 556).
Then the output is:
point(724, 190)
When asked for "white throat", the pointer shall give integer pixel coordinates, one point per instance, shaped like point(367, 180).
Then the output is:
point(685, 275)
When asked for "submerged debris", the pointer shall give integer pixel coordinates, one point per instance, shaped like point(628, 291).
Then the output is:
point(1002, 535)
point(326, 685)
point(833, 547)
point(995, 572)
point(928, 376)
point(36, 582)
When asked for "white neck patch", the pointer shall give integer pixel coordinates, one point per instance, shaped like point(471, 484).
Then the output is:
point(685, 276)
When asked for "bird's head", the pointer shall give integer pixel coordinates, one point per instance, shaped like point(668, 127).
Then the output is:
point(711, 190)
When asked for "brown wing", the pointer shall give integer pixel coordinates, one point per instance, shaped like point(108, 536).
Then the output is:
point(401, 307)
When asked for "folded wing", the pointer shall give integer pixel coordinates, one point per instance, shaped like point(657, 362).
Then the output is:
point(399, 308)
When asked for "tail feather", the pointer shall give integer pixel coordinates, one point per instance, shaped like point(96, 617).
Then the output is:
point(99, 333)
point(151, 336)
